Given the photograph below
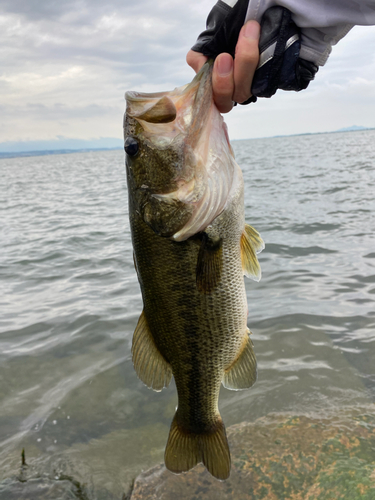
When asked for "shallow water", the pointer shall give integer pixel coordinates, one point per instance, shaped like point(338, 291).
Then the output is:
point(69, 302)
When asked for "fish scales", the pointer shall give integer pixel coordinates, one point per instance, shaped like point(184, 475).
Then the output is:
point(194, 321)
point(186, 324)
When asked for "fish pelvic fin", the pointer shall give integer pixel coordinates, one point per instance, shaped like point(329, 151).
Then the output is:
point(185, 450)
point(251, 244)
point(242, 374)
point(149, 364)
point(209, 262)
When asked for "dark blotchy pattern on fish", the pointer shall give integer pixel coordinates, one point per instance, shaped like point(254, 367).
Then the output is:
point(194, 319)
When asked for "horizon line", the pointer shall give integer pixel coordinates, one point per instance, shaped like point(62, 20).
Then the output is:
point(46, 152)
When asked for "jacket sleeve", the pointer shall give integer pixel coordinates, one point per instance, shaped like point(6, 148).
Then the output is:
point(322, 23)
point(280, 66)
point(223, 26)
point(296, 36)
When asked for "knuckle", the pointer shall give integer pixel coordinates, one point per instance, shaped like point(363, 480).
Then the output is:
point(242, 95)
point(223, 88)
point(224, 107)
point(223, 102)
point(222, 91)
point(248, 58)
point(248, 52)
point(242, 98)
point(195, 60)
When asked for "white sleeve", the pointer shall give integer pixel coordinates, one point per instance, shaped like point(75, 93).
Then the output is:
point(323, 23)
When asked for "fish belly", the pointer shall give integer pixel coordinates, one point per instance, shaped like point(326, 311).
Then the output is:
point(199, 335)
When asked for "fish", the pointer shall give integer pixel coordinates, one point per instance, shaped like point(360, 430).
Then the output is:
point(192, 249)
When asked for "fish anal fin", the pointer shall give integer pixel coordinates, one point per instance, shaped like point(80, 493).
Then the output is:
point(185, 450)
point(242, 374)
point(209, 263)
point(251, 244)
point(149, 364)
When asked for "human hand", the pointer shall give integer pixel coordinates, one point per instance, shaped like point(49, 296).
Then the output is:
point(280, 65)
point(232, 78)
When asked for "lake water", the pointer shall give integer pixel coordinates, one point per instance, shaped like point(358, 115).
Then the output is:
point(70, 300)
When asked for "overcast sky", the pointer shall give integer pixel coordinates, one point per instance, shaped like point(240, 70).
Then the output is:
point(65, 66)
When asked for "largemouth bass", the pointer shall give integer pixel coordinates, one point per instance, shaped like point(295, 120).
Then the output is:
point(191, 250)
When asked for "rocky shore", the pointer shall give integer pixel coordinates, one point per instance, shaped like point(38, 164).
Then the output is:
point(281, 458)
point(277, 457)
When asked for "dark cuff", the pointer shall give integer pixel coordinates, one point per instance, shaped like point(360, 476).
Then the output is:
point(223, 26)
point(280, 66)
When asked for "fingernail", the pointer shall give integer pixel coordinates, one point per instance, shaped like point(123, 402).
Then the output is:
point(224, 65)
point(251, 30)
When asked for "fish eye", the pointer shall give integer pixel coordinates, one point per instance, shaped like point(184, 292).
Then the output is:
point(131, 146)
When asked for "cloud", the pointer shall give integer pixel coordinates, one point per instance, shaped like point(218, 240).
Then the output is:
point(64, 68)
point(342, 94)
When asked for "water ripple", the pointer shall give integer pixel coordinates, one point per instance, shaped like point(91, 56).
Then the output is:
point(70, 299)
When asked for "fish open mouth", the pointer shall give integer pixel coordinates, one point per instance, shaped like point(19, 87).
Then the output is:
point(178, 108)
point(187, 119)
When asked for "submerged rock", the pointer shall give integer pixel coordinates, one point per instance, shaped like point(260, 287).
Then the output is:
point(282, 458)
point(42, 488)
point(276, 457)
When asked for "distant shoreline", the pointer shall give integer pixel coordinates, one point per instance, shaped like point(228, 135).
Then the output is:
point(341, 131)
point(47, 152)
point(18, 154)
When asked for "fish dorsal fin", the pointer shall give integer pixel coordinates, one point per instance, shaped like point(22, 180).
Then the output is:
point(210, 262)
point(242, 374)
point(251, 244)
point(164, 111)
point(149, 364)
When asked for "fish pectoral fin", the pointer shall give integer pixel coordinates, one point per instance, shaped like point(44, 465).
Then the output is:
point(149, 363)
point(185, 450)
point(242, 374)
point(210, 262)
point(251, 244)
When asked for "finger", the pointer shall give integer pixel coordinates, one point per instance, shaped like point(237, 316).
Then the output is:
point(195, 60)
point(223, 83)
point(246, 60)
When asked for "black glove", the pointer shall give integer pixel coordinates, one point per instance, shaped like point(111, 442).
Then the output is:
point(280, 66)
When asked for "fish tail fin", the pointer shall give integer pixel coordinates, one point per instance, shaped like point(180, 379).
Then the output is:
point(185, 450)
point(215, 451)
point(182, 452)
